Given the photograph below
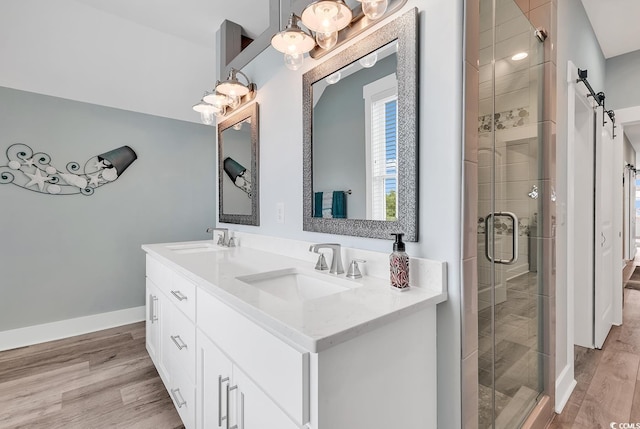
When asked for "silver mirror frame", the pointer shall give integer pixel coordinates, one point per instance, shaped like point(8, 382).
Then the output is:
point(250, 111)
point(405, 30)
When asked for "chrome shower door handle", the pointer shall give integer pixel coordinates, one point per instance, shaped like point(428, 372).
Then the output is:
point(514, 241)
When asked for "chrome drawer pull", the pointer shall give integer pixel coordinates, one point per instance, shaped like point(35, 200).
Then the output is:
point(175, 339)
point(220, 381)
point(179, 402)
point(229, 389)
point(179, 295)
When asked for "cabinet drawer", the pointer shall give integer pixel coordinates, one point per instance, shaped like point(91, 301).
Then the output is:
point(183, 395)
point(280, 370)
point(158, 273)
point(182, 293)
point(180, 344)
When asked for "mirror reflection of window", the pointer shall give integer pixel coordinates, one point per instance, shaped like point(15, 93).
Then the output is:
point(381, 124)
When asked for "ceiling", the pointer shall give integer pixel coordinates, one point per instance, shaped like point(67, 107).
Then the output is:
point(193, 20)
point(615, 23)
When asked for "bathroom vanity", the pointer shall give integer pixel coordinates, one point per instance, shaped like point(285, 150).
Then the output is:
point(254, 337)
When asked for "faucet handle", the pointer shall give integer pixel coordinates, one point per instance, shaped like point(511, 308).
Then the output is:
point(209, 230)
point(232, 242)
point(354, 271)
point(321, 265)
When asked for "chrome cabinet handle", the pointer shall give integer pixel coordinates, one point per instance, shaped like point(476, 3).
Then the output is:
point(179, 402)
point(604, 239)
point(220, 381)
point(514, 241)
point(180, 345)
point(242, 410)
point(153, 317)
point(229, 389)
point(179, 295)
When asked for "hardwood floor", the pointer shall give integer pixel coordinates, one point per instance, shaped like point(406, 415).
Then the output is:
point(99, 380)
point(608, 388)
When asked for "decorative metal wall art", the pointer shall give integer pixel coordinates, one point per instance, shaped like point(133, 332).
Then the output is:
point(33, 171)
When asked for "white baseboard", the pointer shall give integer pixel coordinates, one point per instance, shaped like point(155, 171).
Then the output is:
point(565, 383)
point(30, 335)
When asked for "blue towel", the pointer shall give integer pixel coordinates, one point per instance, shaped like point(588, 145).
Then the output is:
point(317, 205)
point(339, 206)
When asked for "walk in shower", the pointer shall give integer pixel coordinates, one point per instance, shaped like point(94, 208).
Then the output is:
point(511, 191)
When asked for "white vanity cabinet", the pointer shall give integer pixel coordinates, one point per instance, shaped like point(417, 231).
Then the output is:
point(262, 363)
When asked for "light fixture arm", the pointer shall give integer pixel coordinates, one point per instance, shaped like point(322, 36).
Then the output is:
point(233, 76)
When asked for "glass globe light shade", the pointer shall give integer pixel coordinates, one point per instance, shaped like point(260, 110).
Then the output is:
point(207, 112)
point(293, 61)
point(327, 14)
point(374, 9)
point(217, 100)
point(327, 40)
point(207, 117)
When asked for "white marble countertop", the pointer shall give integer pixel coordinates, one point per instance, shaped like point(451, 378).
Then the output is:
point(312, 325)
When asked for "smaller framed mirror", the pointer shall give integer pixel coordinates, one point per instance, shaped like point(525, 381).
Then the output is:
point(238, 188)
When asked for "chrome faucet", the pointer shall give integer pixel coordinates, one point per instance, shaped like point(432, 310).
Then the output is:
point(336, 259)
point(223, 239)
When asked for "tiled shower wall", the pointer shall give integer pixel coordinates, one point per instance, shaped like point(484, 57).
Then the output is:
point(520, 110)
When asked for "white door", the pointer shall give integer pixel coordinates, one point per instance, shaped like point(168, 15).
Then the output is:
point(580, 215)
point(603, 303)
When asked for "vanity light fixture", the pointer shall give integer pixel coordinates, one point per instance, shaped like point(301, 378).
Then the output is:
point(226, 96)
point(293, 42)
point(520, 56)
point(332, 22)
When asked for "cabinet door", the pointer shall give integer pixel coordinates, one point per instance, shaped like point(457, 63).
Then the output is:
point(213, 379)
point(254, 409)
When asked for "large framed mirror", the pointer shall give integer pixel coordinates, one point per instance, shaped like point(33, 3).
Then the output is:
point(238, 156)
point(360, 136)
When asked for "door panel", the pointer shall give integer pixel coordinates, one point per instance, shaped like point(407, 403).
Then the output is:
point(603, 305)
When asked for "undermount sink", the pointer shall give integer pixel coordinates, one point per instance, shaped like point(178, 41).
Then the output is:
point(292, 284)
point(195, 248)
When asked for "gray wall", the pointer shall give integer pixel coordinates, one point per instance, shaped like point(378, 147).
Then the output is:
point(339, 136)
point(629, 152)
point(622, 86)
point(70, 256)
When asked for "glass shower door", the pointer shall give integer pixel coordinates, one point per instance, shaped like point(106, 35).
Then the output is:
point(510, 362)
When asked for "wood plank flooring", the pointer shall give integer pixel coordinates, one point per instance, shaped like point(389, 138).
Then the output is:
point(608, 388)
point(99, 380)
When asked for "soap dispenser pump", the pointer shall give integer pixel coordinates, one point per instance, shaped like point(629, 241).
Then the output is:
point(399, 265)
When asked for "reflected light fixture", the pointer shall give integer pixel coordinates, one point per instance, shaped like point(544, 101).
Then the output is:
point(333, 78)
point(369, 61)
point(293, 42)
point(374, 9)
point(226, 96)
point(520, 56)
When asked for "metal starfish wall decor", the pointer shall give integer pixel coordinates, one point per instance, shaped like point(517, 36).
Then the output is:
point(33, 171)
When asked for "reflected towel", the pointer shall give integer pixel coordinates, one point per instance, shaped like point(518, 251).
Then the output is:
point(327, 204)
point(339, 205)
